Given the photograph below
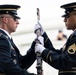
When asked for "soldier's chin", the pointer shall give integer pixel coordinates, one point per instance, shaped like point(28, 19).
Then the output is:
point(69, 28)
point(14, 30)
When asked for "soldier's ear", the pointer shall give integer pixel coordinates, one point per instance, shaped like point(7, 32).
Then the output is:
point(5, 19)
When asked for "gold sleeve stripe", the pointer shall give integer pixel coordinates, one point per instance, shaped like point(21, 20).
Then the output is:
point(46, 39)
point(48, 56)
point(67, 72)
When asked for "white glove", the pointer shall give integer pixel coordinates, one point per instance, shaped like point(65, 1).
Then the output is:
point(41, 39)
point(39, 26)
point(39, 48)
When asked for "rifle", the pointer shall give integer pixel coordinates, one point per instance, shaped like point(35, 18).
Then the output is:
point(38, 55)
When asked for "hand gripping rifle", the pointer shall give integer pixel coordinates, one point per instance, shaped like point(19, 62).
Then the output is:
point(38, 55)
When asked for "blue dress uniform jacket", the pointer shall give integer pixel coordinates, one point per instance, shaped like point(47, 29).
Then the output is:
point(11, 61)
point(64, 59)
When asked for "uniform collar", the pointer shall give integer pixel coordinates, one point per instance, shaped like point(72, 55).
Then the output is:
point(6, 32)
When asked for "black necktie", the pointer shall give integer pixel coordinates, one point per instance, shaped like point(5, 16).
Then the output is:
point(12, 42)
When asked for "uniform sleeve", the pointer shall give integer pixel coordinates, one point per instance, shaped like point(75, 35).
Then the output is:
point(62, 60)
point(29, 58)
point(7, 64)
point(48, 44)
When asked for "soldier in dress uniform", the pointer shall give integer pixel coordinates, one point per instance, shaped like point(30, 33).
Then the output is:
point(11, 61)
point(63, 59)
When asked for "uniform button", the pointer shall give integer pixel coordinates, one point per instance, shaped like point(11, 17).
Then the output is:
point(15, 61)
point(14, 54)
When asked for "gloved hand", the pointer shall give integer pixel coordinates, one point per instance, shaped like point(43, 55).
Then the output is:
point(38, 26)
point(39, 40)
point(39, 48)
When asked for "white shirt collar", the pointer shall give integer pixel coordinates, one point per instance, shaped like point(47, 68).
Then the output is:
point(6, 32)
